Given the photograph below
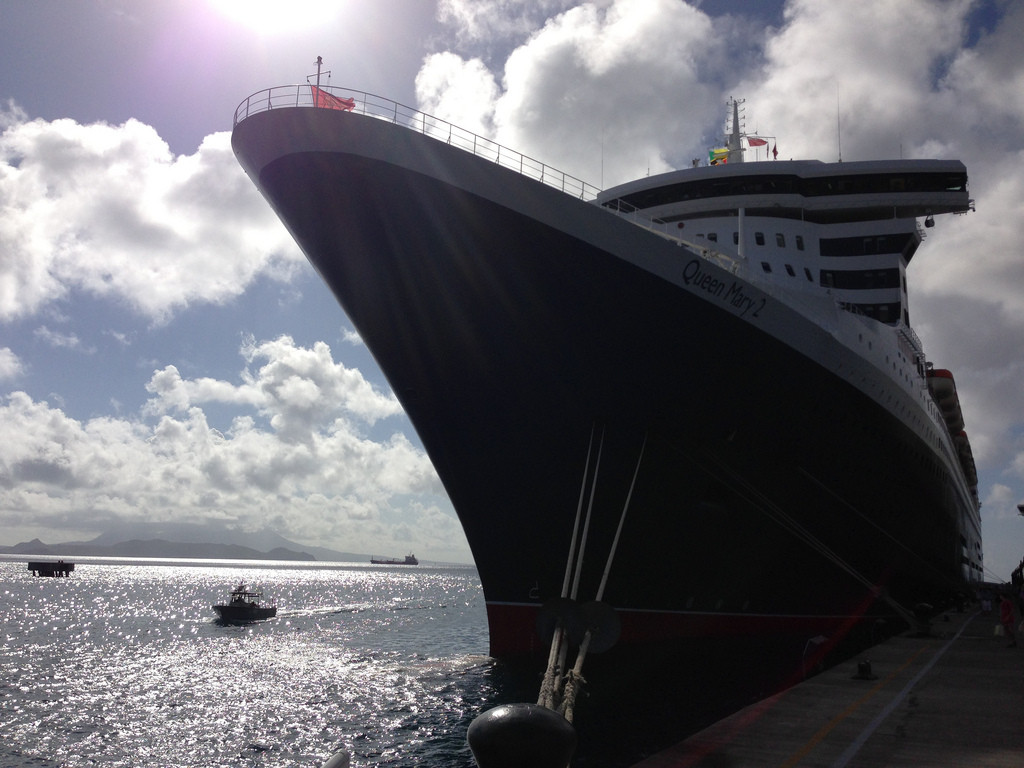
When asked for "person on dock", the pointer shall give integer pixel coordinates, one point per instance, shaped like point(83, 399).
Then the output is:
point(1006, 618)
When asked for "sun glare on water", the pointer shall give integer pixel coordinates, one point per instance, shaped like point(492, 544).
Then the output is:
point(272, 16)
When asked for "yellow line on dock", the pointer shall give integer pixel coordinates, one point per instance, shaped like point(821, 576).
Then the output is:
point(947, 700)
point(824, 731)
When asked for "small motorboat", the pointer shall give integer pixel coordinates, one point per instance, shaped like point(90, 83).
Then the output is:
point(245, 605)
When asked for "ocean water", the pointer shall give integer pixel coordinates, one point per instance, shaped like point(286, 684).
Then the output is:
point(124, 665)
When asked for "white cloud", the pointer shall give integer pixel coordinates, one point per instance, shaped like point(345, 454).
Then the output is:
point(312, 474)
point(1002, 501)
point(492, 21)
point(996, 59)
point(350, 336)
point(461, 92)
point(603, 91)
point(874, 63)
point(109, 211)
point(58, 339)
point(11, 366)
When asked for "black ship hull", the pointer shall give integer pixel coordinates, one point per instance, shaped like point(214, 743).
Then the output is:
point(243, 614)
point(775, 497)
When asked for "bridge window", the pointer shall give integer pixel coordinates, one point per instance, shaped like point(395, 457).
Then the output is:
point(884, 313)
point(859, 184)
point(863, 246)
point(865, 279)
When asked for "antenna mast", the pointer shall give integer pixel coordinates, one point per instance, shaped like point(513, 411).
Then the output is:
point(320, 98)
point(733, 140)
point(839, 127)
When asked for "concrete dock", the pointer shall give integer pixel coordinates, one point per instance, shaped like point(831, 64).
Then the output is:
point(952, 698)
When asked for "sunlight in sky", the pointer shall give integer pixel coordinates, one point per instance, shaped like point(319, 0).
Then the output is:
point(273, 16)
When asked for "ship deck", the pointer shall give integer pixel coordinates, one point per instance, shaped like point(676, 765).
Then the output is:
point(948, 699)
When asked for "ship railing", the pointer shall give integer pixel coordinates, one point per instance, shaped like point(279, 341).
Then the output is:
point(907, 334)
point(911, 346)
point(379, 107)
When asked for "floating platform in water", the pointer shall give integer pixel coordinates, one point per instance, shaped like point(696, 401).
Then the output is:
point(51, 568)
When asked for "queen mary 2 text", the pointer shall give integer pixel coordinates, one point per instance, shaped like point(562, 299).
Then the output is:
point(730, 292)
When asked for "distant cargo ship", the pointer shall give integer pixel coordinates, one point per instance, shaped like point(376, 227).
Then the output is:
point(696, 397)
point(409, 559)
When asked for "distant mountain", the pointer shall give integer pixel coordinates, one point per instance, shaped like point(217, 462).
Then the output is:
point(331, 556)
point(203, 542)
point(156, 548)
point(190, 533)
point(34, 547)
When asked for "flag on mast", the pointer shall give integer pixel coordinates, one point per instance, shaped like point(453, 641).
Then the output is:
point(719, 155)
point(325, 100)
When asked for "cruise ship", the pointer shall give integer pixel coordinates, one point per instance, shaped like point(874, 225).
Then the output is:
point(684, 413)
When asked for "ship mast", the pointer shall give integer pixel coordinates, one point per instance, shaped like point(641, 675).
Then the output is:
point(732, 141)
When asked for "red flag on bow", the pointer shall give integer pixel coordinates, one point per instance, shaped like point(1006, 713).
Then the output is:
point(775, 152)
point(325, 100)
point(754, 141)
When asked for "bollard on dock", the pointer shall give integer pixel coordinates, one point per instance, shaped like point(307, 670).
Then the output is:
point(516, 735)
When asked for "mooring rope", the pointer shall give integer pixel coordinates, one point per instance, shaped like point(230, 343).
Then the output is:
point(551, 684)
point(586, 523)
point(560, 693)
point(908, 550)
point(574, 680)
point(768, 507)
point(622, 520)
point(579, 513)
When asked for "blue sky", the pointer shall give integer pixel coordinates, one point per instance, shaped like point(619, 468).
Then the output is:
point(167, 356)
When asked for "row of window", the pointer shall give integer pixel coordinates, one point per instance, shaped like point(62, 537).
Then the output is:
point(887, 312)
point(759, 239)
point(865, 279)
point(767, 267)
point(903, 243)
point(883, 313)
point(786, 184)
point(859, 280)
